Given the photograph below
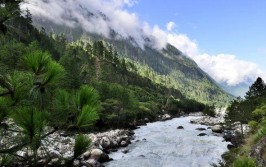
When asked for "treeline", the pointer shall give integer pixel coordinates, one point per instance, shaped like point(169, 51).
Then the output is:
point(249, 110)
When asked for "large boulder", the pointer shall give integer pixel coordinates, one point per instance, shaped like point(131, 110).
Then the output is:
point(258, 152)
point(217, 129)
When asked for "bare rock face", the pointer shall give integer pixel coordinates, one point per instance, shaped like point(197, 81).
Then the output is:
point(258, 152)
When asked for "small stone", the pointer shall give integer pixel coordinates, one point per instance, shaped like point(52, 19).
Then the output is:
point(123, 143)
point(105, 142)
point(87, 155)
point(22, 153)
point(201, 129)
point(125, 151)
point(180, 127)
point(202, 134)
point(54, 160)
point(76, 163)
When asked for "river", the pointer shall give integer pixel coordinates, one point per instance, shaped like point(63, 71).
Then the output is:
point(161, 144)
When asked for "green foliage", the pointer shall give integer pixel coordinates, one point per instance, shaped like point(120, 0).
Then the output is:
point(88, 105)
point(253, 125)
point(260, 112)
point(87, 96)
point(82, 143)
point(4, 108)
point(244, 162)
point(87, 117)
point(261, 132)
point(6, 160)
point(257, 89)
point(37, 61)
point(209, 110)
point(32, 122)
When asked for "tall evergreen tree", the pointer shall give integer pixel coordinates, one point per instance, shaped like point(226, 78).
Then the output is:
point(257, 89)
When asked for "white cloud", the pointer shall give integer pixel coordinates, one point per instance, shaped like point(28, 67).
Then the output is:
point(183, 43)
point(222, 67)
point(130, 3)
point(170, 26)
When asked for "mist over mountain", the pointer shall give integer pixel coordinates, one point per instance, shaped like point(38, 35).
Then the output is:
point(132, 38)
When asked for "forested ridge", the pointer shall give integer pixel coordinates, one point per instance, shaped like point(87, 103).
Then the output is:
point(169, 66)
point(248, 113)
point(48, 84)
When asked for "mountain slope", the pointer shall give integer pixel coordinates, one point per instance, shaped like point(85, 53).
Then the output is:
point(170, 66)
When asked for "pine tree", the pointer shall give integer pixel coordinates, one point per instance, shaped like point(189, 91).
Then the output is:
point(257, 89)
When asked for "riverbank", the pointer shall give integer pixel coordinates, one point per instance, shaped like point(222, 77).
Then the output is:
point(58, 147)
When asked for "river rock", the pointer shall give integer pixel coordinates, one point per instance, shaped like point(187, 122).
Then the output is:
point(125, 151)
point(165, 117)
point(228, 135)
point(201, 129)
point(230, 146)
point(202, 134)
point(91, 163)
point(86, 155)
point(180, 127)
point(123, 143)
point(258, 152)
point(217, 129)
point(96, 154)
point(104, 158)
point(207, 120)
point(105, 142)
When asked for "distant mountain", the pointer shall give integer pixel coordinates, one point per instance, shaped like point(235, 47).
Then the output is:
point(237, 90)
point(168, 66)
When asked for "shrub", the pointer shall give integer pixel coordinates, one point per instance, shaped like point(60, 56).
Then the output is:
point(244, 162)
point(209, 110)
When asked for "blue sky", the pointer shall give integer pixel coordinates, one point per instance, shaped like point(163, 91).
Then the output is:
point(235, 27)
point(226, 38)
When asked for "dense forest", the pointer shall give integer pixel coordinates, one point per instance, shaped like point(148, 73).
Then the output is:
point(48, 84)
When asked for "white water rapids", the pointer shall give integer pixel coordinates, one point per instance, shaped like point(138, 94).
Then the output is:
point(161, 144)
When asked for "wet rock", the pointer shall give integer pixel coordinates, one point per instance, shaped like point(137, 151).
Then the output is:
point(91, 163)
point(165, 117)
point(217, 129)
point(202, 134)
point(125, 151)
point(200, 129)
point(104, 158)
point(180, 127)
point(123, 143)
point(228, 135)
point(230, 146)
point(86, 155)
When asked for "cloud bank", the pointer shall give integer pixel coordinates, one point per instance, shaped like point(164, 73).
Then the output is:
point(102, 16)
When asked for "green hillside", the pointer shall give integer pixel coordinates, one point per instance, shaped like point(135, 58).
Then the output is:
point(168, 67)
